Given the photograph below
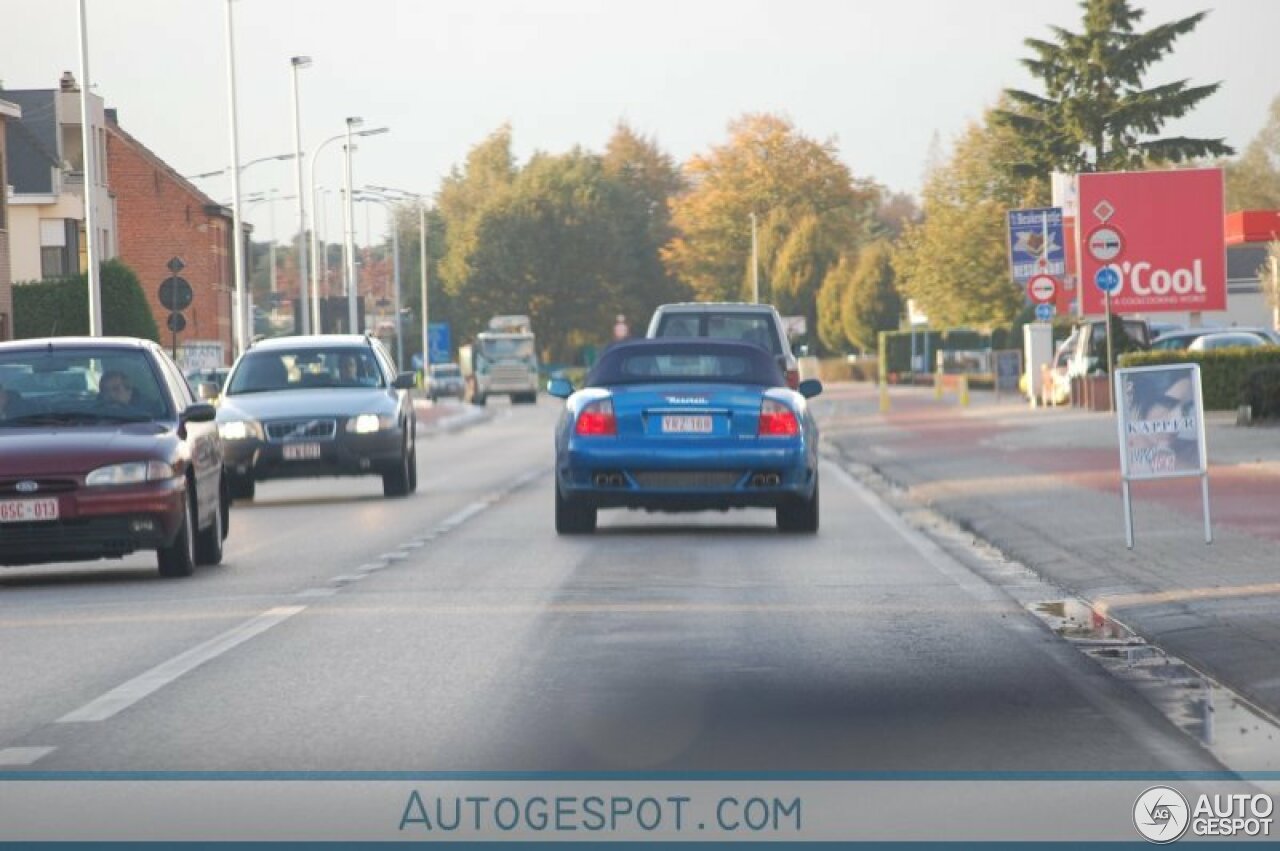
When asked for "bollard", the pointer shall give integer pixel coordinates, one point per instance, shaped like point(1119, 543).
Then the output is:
point(884, 398)
point(937, 385)
point(964, 391)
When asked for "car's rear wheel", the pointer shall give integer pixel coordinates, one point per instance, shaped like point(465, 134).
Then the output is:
point(800, 515)
point(241, 487)
point(179, 558)
point(396, 482)
point(209, 541)
point(574, 517)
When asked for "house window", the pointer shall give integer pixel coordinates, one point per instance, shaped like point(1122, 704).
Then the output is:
point(53, 248)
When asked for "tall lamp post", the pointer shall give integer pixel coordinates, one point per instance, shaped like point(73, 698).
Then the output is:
point(296, 63)
point(243, 168)
point(755, 264)
point(90, 155)
point(422, 249)
point(353, 317)
point(237, 226)
point(315, 247)
point(395, 266)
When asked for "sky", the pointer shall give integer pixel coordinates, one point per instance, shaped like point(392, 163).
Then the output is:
point(880, 78)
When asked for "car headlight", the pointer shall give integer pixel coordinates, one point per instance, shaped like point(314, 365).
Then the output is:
point(131, 473)
point(237, 430)
point(370, 423)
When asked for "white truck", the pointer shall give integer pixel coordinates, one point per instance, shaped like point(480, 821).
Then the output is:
point(502, 360)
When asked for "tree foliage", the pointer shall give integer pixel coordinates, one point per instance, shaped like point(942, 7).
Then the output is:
point(60, 308)
point(571, 240)
point(1096, 113)
point(1253, 179)
point(809, 208)
point(954, 263)
point(871, 303)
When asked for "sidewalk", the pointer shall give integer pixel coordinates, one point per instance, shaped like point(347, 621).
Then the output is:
point(447, 415)
point(1043, 487)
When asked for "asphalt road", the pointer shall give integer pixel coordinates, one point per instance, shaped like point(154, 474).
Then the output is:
point(455, 631)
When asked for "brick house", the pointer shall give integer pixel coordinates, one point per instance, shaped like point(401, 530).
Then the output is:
point(8, 111)
point(160, 215)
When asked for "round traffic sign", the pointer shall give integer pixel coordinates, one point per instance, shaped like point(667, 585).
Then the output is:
point(177, 322)
point(1044, 312)
point(1107, 279)
point(1042, 288)
point(1105, 244)
point(175, 293)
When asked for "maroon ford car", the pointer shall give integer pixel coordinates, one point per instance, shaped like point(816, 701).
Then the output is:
point(103, 451)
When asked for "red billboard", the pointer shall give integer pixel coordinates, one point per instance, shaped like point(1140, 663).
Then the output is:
point(1162, 232)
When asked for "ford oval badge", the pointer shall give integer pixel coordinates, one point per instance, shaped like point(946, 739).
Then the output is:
point(27, 486)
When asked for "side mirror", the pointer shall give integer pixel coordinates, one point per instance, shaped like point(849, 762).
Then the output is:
point(405, 381)
point(810, 387)
point(206, 391)
point(560, 387)
point(200, 412)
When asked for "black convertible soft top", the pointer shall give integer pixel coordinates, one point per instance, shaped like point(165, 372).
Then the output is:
point(700, 360)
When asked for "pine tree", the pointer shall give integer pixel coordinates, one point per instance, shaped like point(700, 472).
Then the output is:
point(1096, 114)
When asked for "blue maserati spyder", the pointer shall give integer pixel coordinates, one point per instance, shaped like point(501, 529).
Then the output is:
point(686, 425)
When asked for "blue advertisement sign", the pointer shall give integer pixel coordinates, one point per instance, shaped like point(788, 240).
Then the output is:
point(438, 342)
point(1036, 243)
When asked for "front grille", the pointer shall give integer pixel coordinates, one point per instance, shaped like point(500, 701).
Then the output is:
point(285, 430)
point(109, 534)
point(664, 479)
point(508, 374)
point(45, 486)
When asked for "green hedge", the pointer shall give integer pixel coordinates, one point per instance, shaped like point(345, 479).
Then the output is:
point(1223, 372)
point(897, 344)
point(60, 308)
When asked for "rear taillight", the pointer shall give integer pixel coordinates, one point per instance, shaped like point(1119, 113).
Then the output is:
point(777, 420)
point(793, 379)
point(597, 420)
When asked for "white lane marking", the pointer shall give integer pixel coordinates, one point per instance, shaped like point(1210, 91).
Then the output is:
point(125, 695)
point(22, 756)
point(347, 578)
point(395, 555)
point(459, 517)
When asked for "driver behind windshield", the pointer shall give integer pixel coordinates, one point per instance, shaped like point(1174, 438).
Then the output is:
point(115, 390)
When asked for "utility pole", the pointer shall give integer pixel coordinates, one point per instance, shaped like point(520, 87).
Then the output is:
point(755, 264)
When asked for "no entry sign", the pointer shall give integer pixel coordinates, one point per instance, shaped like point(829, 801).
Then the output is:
point(1042, 288)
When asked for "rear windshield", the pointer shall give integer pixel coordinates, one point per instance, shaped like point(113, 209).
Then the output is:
point(757, 328)
point(691, 362)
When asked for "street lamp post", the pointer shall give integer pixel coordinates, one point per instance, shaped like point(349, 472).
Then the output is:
point(352, 314)
point(296, 63)
point(315, 248)
point(90, 153)
point(243, 168)
point(395, 266)
point(237, 239)
point(422, 249)
point(755, 264)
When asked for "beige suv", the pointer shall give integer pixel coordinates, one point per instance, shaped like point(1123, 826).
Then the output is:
point(749, 323)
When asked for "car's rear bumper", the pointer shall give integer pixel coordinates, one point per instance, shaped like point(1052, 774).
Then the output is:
point(687, 480)
point(98, 523)
point(348, 455)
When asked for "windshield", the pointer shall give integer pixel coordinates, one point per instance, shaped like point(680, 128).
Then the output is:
point(505, 348)
point(304, 369)
point(79, 387)
point(756, 328)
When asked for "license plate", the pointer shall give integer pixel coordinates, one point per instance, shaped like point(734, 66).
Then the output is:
point(686, 425)
point(301, 451)
point(28, 510)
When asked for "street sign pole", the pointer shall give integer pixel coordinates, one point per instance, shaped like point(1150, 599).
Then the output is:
point(1111, 364)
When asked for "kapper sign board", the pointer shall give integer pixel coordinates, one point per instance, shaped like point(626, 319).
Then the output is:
point(1162, 232)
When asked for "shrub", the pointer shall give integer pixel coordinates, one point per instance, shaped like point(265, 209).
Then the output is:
point(1223, 372)
point(1261, 390)
point(60, 308)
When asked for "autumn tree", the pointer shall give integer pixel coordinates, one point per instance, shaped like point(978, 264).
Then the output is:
point(1096, 112)
point(954, 262)
point(809, 210)
point(1253, 180)
point(871, 303)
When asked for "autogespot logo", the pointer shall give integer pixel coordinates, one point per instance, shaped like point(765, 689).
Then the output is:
point(1161, 814)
